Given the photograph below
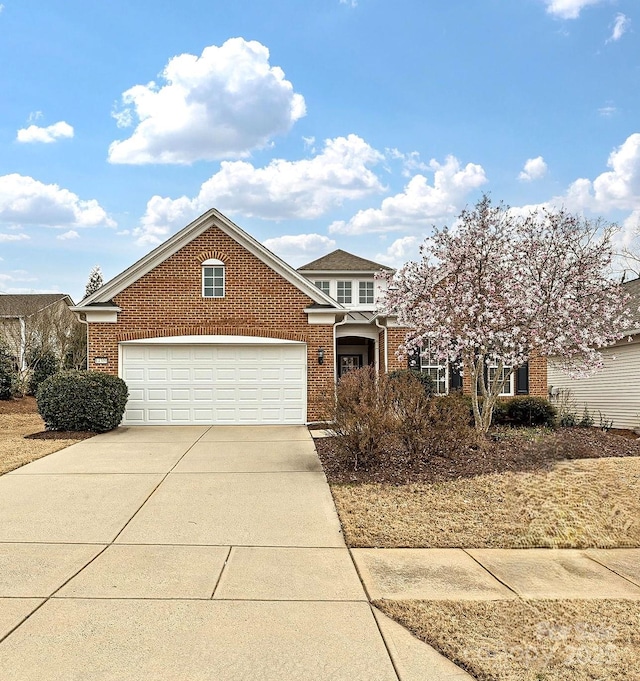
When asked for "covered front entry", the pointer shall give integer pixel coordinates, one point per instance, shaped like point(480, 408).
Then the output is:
point(354, 352)
point(214, 380)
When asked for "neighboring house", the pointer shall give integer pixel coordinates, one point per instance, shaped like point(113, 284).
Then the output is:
point(211, 327)
point(30, 321)
point(613, 392)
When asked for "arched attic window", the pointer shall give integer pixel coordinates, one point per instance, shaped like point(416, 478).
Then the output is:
point(213, 278)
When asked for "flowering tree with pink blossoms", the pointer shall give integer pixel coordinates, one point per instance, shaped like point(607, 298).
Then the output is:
point(499, 288)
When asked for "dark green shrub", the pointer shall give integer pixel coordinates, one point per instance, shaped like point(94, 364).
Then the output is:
point(43, 363)
point(8, 374)
point(425, 380)
point(530, 411)
point(499, 416)
point(82, 400)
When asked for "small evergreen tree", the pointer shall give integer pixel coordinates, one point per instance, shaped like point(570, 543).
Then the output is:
point(95, 281)
point(8, 373)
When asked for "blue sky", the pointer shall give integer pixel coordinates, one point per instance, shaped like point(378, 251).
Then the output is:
point(313, 124)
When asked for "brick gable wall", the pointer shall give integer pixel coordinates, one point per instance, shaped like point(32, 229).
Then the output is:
point(258, 302)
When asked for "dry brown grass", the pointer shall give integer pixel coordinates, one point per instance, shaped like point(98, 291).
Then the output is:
point(530, 640)
point(15, 450)
point(577, 504)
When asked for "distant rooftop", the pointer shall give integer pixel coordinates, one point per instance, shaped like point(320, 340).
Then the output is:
point(341, 261)
point(633, 289)
point(25, 304)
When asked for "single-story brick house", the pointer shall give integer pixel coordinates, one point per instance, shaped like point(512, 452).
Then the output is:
point(212, 328)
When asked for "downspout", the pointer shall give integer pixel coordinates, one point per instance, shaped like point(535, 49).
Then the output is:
point(386, 345)
point(335, 347)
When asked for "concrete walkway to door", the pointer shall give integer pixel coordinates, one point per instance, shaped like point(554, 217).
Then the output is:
point(195, 553)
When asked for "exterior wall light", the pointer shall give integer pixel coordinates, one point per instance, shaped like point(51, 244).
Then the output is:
point(320, 355)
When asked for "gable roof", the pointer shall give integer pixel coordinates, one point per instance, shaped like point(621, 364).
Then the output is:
point(341, 261)
point(26, 304)
point(212, 218)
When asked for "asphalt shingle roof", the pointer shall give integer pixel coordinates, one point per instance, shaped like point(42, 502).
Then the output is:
point(341, 261)
point(25, 304)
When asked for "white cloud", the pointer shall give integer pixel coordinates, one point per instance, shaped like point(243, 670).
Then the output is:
point(534, 169)
point(71, 234)
point(51, 133)
point(222, 104)
point(410, 162)
point(13, 237)
point(297, 248)
point(620, 27)
point(620, 187)
point(607, 111)
point(401, 250)
point(350, 3)
point(420, 204)
point(569, 9)
point(25, 201)
point(304, 189)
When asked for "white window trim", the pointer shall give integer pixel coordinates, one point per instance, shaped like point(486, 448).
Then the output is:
point(350, 283)
point(425, 364)
point(213, 262)
point(372, 290)
point(509, 385)
point(327, 285)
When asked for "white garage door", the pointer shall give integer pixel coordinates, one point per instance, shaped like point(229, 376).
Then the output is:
point(215, 383)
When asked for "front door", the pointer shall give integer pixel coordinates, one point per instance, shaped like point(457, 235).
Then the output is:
point(348, 363)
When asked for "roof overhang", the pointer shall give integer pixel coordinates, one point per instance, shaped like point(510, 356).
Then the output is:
point(99, 314)
point(212, 218)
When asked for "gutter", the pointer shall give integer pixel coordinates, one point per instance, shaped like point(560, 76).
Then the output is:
point(386, 344)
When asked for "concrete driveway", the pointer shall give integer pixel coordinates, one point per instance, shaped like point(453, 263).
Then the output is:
point(183, 553)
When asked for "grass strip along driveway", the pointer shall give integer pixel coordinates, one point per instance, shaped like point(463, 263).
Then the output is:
point(22, 435)
point(572, 488)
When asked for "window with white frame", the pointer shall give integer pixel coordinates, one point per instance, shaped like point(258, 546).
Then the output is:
point(494, 375)
point(366, 293)
point(436, 368)
point(323, 286)
point(213, 279)
point(344, 292)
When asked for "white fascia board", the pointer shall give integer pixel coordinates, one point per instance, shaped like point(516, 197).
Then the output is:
point(209, 219)
point(324, 316)
point(211, 340)
point(353, 274)
point(98, 314)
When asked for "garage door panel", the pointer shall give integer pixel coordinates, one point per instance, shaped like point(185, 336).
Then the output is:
point(203, 375)
point(248, 384)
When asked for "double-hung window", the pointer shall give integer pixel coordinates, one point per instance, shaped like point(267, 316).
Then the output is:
point(436, 368)
point(344, 292)
point(213, 283)
point(323, 286)
point(366, 293)
point(494, 375)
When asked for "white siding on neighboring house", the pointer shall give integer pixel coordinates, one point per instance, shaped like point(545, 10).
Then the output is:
point(614, 390)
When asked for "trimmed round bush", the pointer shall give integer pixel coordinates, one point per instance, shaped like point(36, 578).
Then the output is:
point(531, 411)
point(82, 400)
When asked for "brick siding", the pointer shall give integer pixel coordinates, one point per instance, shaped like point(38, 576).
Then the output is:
point(258, 302)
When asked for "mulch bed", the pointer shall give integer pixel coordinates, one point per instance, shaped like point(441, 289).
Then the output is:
point(60, 435)
point(503, 451)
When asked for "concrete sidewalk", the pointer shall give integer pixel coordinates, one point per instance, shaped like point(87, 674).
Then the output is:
point(499, 574)
point(188, 553)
